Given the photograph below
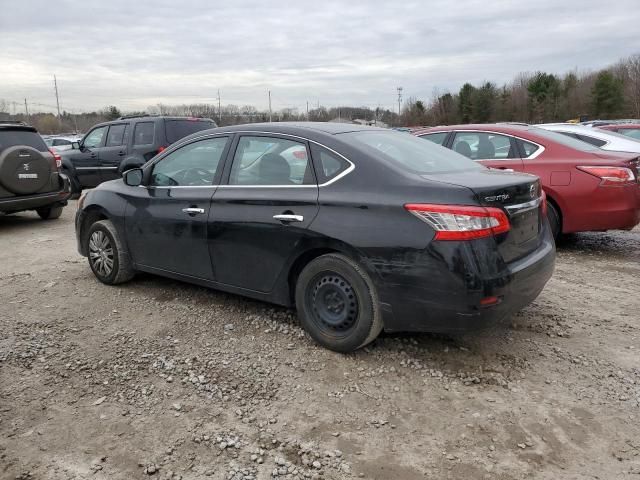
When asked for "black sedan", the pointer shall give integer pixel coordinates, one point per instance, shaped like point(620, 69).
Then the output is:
point(361, 229)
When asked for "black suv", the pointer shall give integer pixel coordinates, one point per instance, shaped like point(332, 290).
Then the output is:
point(29, 173)
point(110, 148)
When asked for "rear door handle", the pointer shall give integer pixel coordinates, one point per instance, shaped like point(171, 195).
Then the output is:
point(289, 218)
point(193, 210)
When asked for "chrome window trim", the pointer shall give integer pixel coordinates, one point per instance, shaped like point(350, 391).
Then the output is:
point(530, 157)
point(342, 174)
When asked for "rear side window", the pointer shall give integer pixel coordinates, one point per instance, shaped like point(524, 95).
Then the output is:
point(410, 153)
point(12, 138)
point(117, 135)
point(483, 145)
point(177, 129)
point(566, 140)
point(328, 164)
point(143, 133)
point(270, 161)
point(437, 138)
point(593, 141)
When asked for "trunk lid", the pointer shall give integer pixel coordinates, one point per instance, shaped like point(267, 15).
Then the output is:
point(518, 194)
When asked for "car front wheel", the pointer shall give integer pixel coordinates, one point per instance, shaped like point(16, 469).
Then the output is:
point(337, 303)
point(108, 259)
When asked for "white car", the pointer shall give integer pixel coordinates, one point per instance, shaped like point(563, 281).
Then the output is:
point(60, 144)
point(599, 138)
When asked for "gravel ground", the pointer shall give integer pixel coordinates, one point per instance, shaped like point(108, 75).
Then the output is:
point(159, 379)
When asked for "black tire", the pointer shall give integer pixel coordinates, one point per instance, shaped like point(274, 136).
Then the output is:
point(50, 213)
point(107, 257)
point(74, 184)
point(554, 221)
point(337, 303)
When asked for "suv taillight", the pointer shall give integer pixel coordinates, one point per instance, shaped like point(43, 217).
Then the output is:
point(461, 222)
point(58, 159)
point(610, 175)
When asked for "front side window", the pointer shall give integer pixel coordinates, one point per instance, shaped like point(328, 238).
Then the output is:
point(408, 152)
point(94, 138)
point(194, 165)
point(116, 135)
point(270, 161)
point(483, 146)
point(143, 133)
point(437, 138)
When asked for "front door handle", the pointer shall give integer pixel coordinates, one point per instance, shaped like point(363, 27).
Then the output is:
point(193, 210)
point(289, 218)
point(121, 154)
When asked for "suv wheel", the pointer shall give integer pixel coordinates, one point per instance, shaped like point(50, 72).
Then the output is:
point(107, 258)
point(337, 303)
point(50, 213)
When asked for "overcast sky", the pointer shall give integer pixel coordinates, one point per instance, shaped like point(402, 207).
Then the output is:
point(137, 53)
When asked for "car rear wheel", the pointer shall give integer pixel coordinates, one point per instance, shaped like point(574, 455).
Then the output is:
point(554, 221)
point(50, 213)
point(337, 303)
point(107, 258)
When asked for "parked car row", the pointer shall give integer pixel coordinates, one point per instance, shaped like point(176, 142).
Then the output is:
point(587, 188)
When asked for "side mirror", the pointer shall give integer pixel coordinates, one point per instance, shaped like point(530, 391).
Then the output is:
point(75, 145)
point(133, 177)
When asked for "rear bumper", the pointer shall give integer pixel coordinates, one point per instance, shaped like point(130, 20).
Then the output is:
point(607, 208)
point(31, 202)
point(447, 299)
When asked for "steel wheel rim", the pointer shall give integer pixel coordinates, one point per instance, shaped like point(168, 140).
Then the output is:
point(101, 253)
point(333, 304)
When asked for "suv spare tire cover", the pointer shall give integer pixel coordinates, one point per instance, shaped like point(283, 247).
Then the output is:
point(24, 169)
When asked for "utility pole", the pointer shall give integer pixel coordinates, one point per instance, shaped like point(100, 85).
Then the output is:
point(14, 108)
point(219, 109)
point(269, 105)
point(55, 86)
point(399, 100)
point(26, 109)
point(307, 110)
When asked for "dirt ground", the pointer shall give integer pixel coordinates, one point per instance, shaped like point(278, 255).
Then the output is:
point(160, 379)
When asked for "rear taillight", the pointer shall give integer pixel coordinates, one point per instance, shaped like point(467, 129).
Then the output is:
point(610, 175)
point(461, 222)
point(161, 149)
point(58, 158)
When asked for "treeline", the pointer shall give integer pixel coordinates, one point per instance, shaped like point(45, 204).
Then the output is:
point(48, 123)
point(538, 97)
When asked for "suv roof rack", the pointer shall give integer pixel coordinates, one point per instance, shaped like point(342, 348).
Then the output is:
point(13, 122)
point(125, 117)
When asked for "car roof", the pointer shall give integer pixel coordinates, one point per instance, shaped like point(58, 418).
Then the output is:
point(302, 129)
point(17, 126)
point(507, 128)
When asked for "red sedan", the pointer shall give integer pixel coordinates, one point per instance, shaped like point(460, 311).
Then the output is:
point(631, 130)
point(588, 189)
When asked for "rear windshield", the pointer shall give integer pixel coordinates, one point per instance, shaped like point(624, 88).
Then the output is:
point(411, 153)
point(177, 129)
point(565, 140)
point(12, 138)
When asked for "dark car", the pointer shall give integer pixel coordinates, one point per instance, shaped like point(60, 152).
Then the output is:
point(360, 228)
point(110, 148)
point(29, 173)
